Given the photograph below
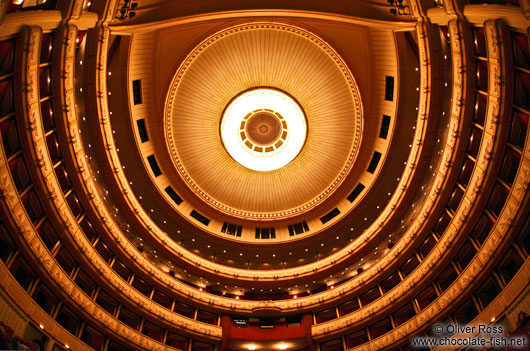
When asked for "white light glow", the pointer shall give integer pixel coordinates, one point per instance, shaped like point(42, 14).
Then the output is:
point(270, 99)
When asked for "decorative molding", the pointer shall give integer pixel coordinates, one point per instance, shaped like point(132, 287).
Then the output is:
point(513, 212)
point(23, 305)
point(461, 223)
point(511, 15)
point(35, 146)
point(14, 22)
point(127, 29)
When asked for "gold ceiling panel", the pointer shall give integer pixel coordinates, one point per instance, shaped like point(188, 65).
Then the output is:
point(273, 55)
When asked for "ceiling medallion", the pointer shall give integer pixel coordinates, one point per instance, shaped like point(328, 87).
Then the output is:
point(263, 129)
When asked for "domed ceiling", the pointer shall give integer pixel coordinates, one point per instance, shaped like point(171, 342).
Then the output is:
point(245, 57)
point(331, 163)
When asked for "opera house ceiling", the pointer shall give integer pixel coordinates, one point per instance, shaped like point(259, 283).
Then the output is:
point(264, 175)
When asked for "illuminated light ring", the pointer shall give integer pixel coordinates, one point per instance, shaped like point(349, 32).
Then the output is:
point(263, 99)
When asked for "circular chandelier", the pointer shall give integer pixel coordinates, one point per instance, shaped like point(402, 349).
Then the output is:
point(263, 129)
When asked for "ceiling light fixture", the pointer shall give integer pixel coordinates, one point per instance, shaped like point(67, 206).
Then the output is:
point(263, 129)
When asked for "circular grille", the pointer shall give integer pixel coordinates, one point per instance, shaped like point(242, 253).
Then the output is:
point(263, 129)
